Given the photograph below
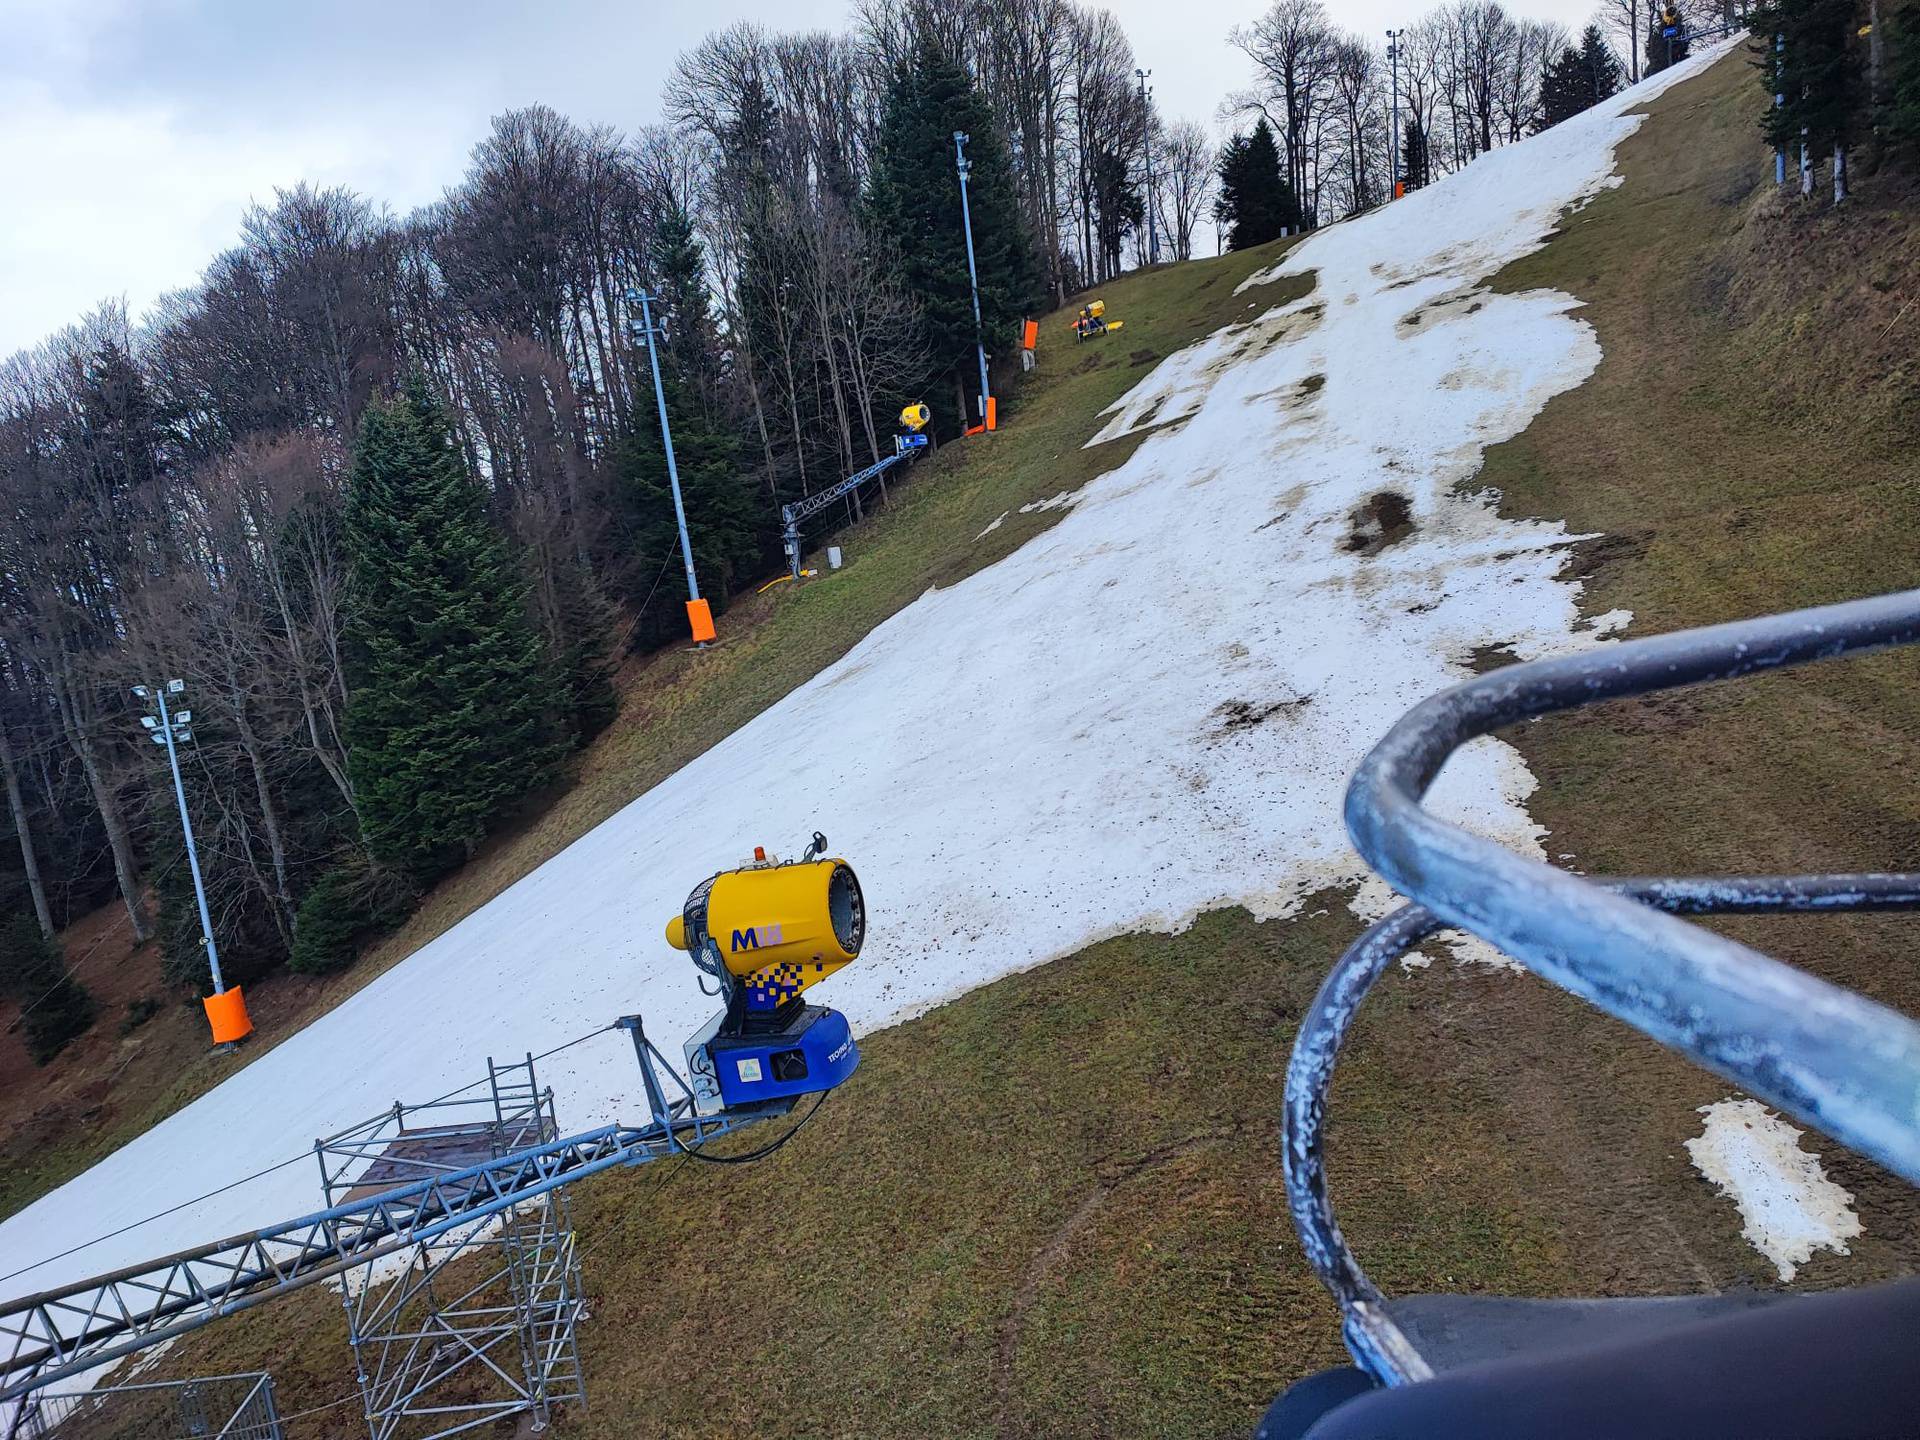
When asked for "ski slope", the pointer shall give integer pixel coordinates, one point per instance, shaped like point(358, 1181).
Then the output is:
point(1146, 712)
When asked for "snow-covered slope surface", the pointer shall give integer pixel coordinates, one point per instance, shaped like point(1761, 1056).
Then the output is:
point(1148, 711)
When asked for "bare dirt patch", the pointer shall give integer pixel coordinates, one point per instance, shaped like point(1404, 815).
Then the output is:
point(1385, 518)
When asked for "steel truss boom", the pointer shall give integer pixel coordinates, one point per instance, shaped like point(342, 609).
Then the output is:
point(804, 509)
point(57, 1333)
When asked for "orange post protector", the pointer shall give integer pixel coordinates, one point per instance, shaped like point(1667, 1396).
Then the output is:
point(700, 618)
point(993, 412)
point(1031, 335)
point(227, 1014)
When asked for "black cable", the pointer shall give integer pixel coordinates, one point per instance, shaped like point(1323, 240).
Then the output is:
point(696, 1152)
point(158, 1215)
point(258, 1174)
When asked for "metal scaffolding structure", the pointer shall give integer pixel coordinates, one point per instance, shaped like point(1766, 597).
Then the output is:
point(393, 1207)
point(212, 1407)
point(476, 1322)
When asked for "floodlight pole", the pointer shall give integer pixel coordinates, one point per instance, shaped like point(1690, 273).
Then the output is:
point(1146, 126)
point(973, 277)
point(650, 338)
point(1393, 147)
point(164, 732)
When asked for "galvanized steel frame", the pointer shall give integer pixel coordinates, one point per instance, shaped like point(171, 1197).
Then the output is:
point(1823, 1054)
point(447, 1349)
point(45, 1338)
point(205, 1405)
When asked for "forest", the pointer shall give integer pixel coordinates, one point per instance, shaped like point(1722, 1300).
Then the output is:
point(387, 492)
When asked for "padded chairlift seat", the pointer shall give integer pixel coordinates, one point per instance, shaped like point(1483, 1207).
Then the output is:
point(1454, 1331)
point(1839, 1365)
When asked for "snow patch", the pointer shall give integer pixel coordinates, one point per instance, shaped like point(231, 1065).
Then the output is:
point(1788, 1207)
point(998, 521)
point(1039, 756)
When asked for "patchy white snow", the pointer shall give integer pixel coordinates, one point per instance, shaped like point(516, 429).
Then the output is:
point(994, 524)
point(1146, 712)
point(1788, 1207)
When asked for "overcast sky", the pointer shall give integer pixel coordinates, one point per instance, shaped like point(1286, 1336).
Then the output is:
point(137, 131)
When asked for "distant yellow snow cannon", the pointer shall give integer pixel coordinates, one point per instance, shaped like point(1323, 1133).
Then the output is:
point(1092, 321)
point(916, 416)
point(766, 932)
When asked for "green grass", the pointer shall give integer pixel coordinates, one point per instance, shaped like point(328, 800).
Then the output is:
point(1053, 1207)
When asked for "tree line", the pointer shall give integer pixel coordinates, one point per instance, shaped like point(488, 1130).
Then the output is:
point(1337, 118)
point(1841, 76)
point(387, 491)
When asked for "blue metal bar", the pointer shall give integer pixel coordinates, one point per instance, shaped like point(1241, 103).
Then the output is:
point(1837, 1061)
point(1832, 1058)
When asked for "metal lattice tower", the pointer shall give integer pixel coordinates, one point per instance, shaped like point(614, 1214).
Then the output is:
point(473, 1323)
point(494, 1174)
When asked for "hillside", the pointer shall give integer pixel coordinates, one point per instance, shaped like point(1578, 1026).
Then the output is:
point(1052, 1205)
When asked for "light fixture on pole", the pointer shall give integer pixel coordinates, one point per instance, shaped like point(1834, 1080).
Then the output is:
point(965, 169)
point(699, 614)
point(1146, 126)
point(226, 1009)
point(1393, 146)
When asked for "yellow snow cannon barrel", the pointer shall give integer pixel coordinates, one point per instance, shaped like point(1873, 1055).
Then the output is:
point(915, 417)
point(801, 922)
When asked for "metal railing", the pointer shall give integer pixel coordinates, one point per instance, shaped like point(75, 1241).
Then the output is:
point(208, 1407)
point(1831, 1058)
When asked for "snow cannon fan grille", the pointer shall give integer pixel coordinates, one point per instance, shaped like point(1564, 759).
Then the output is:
point(846, 908)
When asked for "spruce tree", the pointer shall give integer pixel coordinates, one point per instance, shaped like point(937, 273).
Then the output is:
point(1900, 100)
point(1601, 65)
point(1255, 202)
point(1416, 160)
point(451, 717)
point(55, 1006)
point(1818, 72)
point(1564, 89)
point(913, 201)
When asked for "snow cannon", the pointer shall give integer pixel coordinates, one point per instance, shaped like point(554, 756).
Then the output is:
point(1092, 320)
point(916, 416)
point(766, 932)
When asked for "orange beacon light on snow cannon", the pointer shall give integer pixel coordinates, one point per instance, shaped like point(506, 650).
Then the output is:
point(766, 932)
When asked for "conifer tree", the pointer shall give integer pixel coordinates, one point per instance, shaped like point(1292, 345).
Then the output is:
point(1563, 89)
point(56, 1006)
point(1900, 102)
point(1255, 203)
point(451, 718)
point(1817, 71)
point(1416, 159)
point(1578, 79)
point(1601, 65)
point(913, 201)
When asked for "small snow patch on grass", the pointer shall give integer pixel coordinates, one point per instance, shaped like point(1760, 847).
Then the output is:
point(1789, 1207)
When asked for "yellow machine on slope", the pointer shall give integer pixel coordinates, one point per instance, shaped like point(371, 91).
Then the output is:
point(1092, 321)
